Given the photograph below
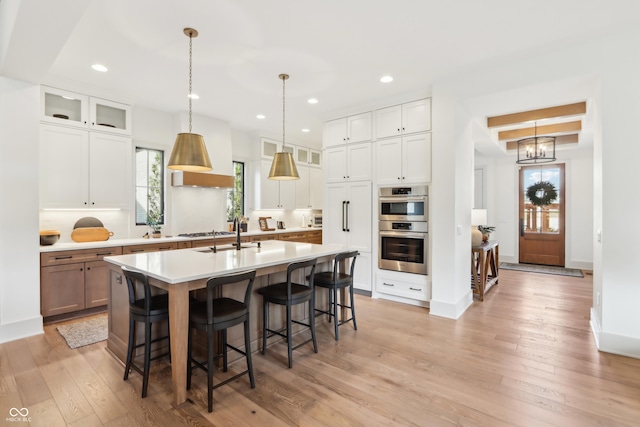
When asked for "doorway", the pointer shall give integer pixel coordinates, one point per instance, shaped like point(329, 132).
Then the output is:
point(542, 215)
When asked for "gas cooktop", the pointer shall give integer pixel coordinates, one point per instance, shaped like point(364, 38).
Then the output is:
point(207, 234)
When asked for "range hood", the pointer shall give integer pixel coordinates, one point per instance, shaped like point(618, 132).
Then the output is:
point(195, 179)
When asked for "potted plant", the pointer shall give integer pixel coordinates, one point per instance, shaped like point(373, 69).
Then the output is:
point(486, 230)
point(154, 219)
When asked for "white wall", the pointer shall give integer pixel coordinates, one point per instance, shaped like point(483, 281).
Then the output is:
point(19, 254)
point(502, 207)
point(611, 65)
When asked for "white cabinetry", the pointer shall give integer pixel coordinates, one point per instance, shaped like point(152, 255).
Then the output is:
point(347, 221)
point(82, 169)
point(404, 119)
point(411, 286)
point(405, 160)
point(351, 162)
point(308, 187)
point(273, 194)
point(71, 109)
point(347, 130)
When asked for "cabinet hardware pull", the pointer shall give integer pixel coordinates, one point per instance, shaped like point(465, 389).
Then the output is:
point(64, 257)
point(348, 204)
point(388, 284)
point(103, 254)
point(81, 269)
point(137, 250)
point(415, 289)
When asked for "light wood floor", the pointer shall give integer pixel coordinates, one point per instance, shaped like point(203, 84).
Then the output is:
point(523, 357)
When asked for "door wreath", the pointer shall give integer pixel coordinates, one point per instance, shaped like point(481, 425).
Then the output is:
point(542, 193)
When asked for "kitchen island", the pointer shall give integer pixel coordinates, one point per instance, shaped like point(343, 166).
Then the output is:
point(181, 271)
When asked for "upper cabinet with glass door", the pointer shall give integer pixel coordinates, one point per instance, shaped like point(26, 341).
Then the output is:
point(308, 156)
point(269, 147)
point(71, 109)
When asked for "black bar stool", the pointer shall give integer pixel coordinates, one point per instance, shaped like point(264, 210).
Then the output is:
point(334, 280)
point(289, 293)
point(148, 309)
point(218, 313)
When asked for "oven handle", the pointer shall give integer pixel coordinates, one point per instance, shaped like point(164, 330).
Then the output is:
point(403, 199)
point(413, 235)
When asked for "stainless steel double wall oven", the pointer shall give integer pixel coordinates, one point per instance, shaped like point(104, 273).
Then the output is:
point(403, 214)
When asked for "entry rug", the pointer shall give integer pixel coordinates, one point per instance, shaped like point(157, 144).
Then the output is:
point(85, 331)
point(546, 269)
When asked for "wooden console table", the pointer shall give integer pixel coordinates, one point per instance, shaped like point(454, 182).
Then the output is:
point(484, 267)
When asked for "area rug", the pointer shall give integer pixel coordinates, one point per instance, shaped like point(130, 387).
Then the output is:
point(85, 331)
point(545, 269)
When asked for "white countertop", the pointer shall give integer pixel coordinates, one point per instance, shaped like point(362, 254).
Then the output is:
point(184, 265)
point(70, 246)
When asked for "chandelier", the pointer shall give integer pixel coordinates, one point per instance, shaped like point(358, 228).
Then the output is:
point(536, 149)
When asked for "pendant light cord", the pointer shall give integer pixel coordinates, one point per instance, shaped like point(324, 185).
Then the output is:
point(190, 73)
point(283, 79)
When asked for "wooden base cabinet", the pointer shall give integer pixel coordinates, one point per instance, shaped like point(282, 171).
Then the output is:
point(72, 281)
point(62, 288)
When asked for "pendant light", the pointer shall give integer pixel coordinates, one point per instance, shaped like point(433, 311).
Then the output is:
point(539, 149)
point(189, 151)
point(283, 167)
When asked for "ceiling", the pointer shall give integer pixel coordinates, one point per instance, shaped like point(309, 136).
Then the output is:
point(334, 50)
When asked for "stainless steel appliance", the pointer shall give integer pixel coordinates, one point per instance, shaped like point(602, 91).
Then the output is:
point(316, 220)
point(403, 214)
point(403, 246)
point(403, 203)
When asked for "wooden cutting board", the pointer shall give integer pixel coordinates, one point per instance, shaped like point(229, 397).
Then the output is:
point(91, 234)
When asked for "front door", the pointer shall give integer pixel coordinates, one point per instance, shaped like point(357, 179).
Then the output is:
point(542, 199)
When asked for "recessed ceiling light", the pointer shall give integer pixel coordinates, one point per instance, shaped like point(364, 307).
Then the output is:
point(312, 101)
point(305, 130)
point(100, 67)
point(260, 116)
point(193, 96)
point(386, 79)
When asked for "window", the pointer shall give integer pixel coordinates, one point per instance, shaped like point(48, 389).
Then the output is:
point(149, 187)
point(235, 195)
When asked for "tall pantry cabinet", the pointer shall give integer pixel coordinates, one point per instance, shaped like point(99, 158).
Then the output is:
point(86, 157)
point(347, 207)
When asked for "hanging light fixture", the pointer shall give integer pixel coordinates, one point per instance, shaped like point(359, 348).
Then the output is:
point(283, 167)
point(539, 149)
point(189, 151)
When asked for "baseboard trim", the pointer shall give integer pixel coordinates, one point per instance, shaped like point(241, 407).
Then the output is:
point(451, 311)
point(22, 329)
point(613, 343)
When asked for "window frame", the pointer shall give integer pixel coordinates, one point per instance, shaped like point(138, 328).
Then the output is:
point(161, 186)
point(238, 180)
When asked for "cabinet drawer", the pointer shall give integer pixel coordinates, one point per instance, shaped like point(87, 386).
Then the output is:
point(264, 237)
point(151, 247)
point(82, 255)
point(294, 237)
point(184, 245)
point(314, 236)
point(392, 286)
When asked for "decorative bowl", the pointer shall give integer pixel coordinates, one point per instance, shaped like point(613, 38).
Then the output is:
point(49, 237)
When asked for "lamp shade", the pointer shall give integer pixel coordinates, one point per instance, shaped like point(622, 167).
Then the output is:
point(189, 154)
point(283, 167)
point(478, 217)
